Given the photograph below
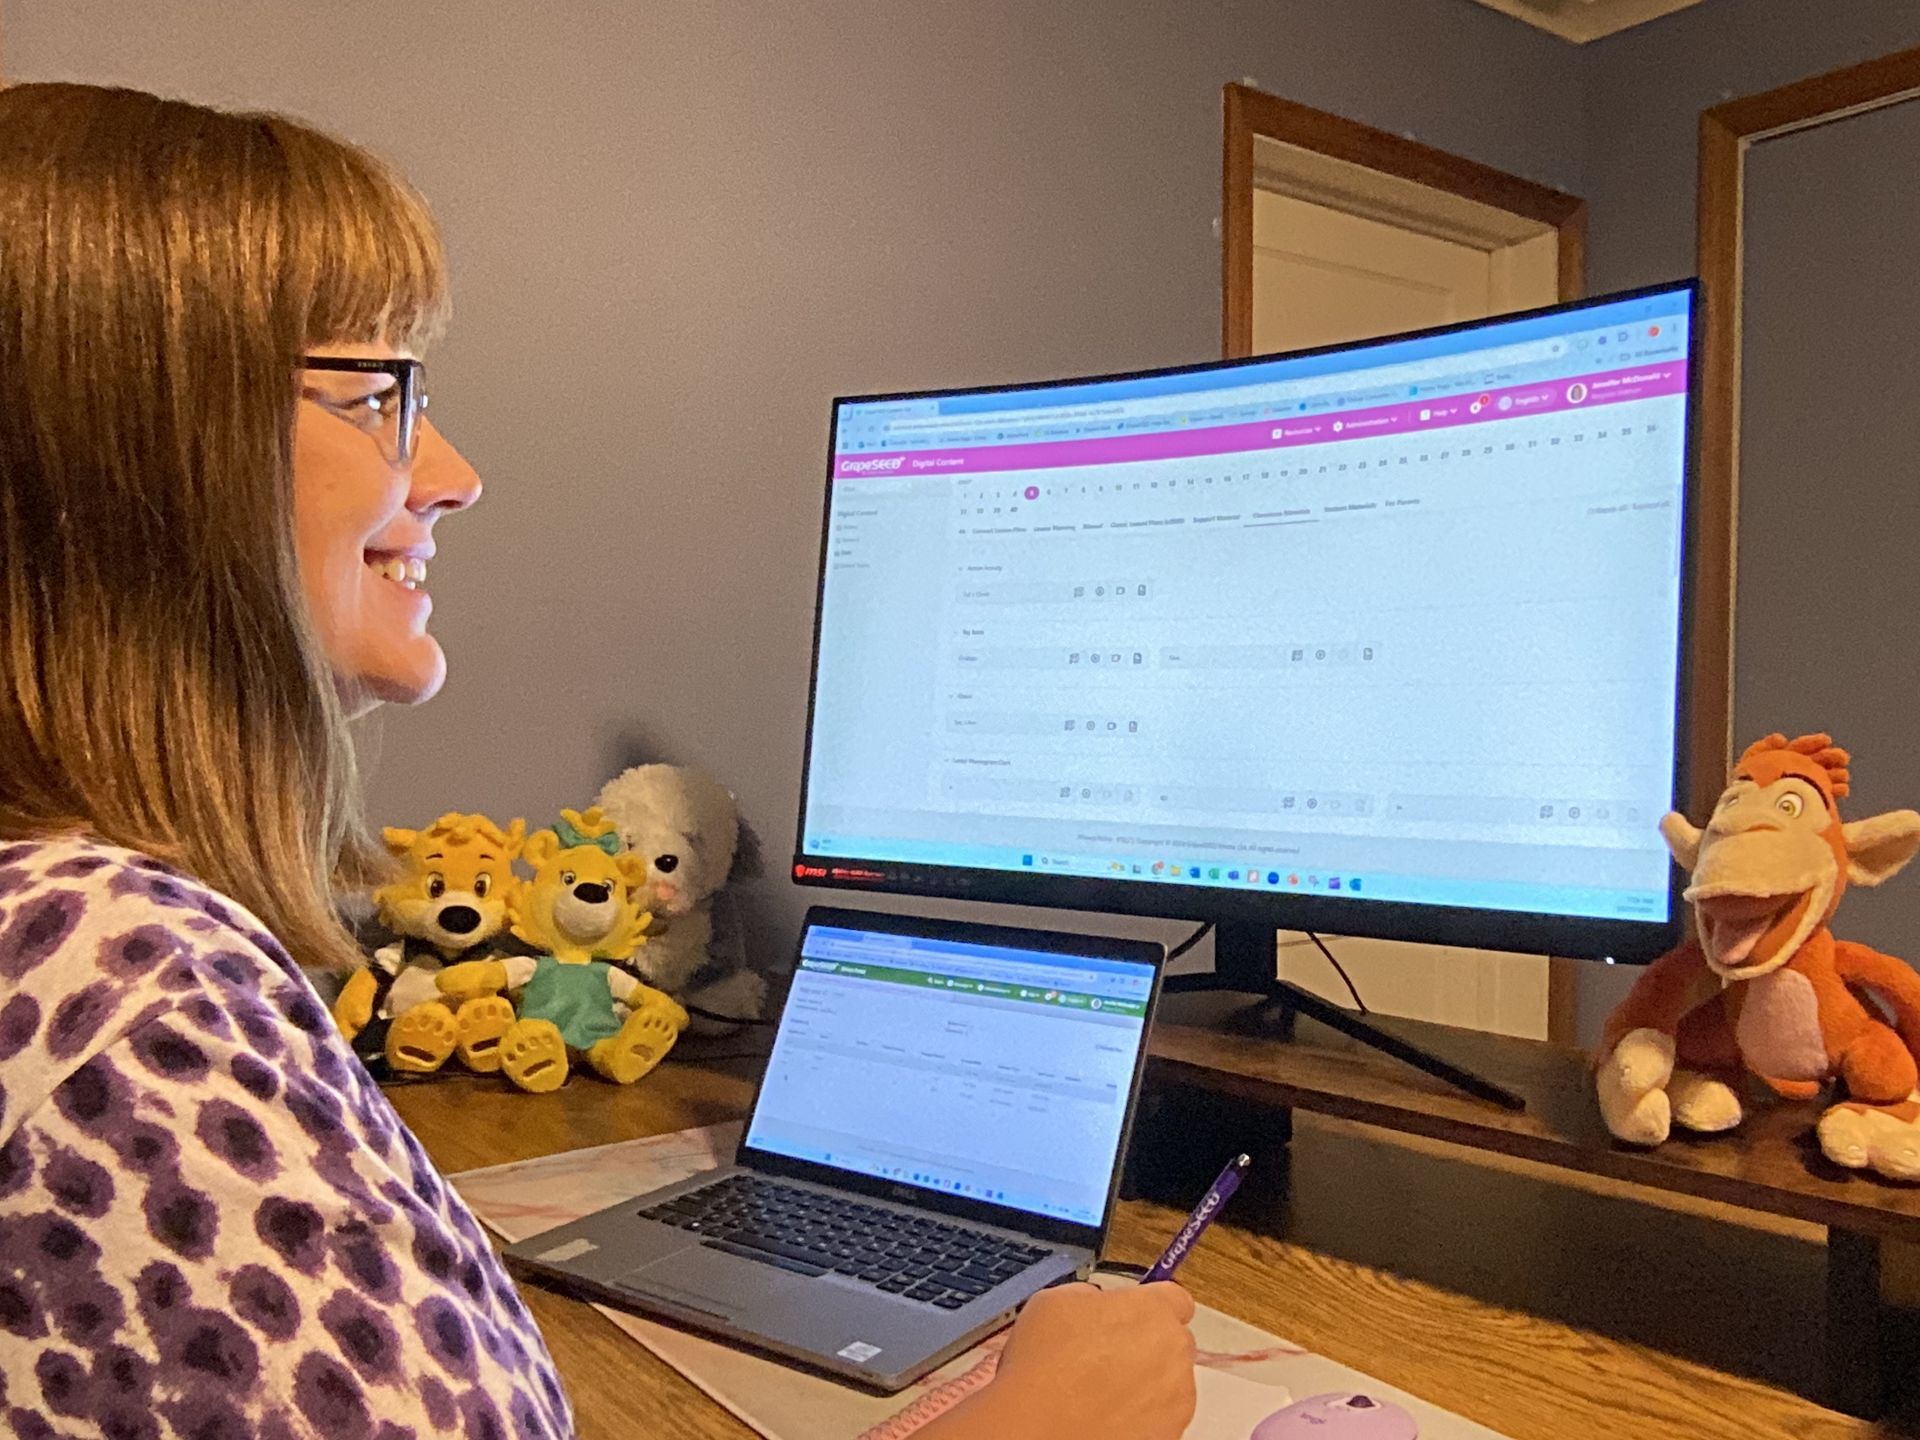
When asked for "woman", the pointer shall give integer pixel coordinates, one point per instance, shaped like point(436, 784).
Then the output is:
point(218, 495)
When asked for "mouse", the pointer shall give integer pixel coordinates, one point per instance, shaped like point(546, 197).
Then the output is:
point(1343, 1415)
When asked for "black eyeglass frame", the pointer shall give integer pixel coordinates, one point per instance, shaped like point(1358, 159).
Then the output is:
point(410, 375)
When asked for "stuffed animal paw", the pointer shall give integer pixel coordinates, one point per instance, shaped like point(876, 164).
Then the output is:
point(534, 1056)
point(482, 1024)
point(472, 980)
point(1702, 1103)
point(643, 1040)
point(353, 1009)
point(1632, 1086)
point(419, 1042)
point(1882, 1138)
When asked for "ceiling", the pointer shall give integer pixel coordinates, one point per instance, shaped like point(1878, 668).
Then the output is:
point(1584, 20)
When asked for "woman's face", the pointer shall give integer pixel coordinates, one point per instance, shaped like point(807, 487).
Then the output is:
point(363, 530)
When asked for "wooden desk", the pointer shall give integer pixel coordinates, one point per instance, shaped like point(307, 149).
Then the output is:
point(1769, 1173)
point(1350, 1191)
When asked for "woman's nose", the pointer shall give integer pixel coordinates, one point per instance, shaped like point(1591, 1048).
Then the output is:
point(443, 481)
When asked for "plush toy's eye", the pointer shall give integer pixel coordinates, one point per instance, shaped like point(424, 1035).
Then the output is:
point(482, 884)
point(567, 877)
point(436, 886)
point(666, 864)
point(1790, 805)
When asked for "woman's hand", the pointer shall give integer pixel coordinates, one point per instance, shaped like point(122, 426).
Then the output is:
point(1116, 1364)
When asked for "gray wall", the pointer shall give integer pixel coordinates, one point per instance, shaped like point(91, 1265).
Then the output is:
point(1829, 509)
point(679, 227)
point(1646, 88)
point(1645, 91)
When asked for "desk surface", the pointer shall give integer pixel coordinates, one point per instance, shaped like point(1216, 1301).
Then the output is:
point(1531, 1378)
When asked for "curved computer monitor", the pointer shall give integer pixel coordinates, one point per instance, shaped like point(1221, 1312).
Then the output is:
point(1384, 639)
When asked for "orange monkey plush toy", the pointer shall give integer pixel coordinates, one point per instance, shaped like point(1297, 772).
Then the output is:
point(1765, 987)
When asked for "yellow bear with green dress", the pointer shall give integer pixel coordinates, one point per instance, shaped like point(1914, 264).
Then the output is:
point(581, 909)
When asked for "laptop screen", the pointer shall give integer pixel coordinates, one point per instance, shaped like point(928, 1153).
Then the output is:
point(984, 1072)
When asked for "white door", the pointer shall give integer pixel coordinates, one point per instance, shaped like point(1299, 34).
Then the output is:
point(1323, 274)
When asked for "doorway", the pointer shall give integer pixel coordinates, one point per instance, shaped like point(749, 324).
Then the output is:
point(1325, 270)
point(1333, 230)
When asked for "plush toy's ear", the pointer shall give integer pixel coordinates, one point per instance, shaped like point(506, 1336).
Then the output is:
point(591, 822)
point(749, 855)
point(516, 838)
point(1682, 839)
point(1880, 845)
point(541, 847)
point(633, 869)
point(516, 908)
point(399, 841)
point(589, 827)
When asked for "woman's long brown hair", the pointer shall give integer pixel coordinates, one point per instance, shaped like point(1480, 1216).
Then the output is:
point(163, 266)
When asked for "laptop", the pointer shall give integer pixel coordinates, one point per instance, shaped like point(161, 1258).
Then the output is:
point(937, 1137)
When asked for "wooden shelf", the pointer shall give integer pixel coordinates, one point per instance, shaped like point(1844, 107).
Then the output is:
point(1227, 1043)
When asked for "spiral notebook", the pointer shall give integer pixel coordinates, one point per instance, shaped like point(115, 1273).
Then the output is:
point(1251, 1385)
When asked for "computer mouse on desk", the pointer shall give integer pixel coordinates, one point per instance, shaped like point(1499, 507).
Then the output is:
point(1340, 1416)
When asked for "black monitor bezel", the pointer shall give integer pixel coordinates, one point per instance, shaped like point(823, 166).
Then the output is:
point(1630, 941)
point(1049, 1228)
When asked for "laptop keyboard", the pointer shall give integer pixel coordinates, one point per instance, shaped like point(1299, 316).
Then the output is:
point(811, 1233)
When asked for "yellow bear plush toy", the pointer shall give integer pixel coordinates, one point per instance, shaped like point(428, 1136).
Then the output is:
point(451, 897)
point(581, 909)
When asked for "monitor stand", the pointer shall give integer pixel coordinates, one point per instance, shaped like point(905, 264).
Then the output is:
point(1243, 963)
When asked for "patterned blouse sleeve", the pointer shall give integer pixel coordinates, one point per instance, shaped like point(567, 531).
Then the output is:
point(217, 1226)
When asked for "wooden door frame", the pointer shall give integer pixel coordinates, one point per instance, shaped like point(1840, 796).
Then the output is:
point(1727, 132)
point(1253, 115)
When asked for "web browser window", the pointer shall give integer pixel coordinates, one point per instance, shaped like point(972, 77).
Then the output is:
point(1397, 623)
point(979, 1071)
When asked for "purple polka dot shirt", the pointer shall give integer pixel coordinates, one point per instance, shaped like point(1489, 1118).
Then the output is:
point(212, 1224)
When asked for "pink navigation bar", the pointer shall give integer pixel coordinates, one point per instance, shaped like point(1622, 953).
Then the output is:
point(1583, 392)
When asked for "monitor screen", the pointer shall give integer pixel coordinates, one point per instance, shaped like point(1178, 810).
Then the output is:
point(1386, 626)
point(985, 1072)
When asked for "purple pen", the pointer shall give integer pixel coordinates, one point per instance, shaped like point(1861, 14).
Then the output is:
point(1203, 1215)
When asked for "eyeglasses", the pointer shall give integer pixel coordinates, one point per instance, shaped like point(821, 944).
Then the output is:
point(389, 413)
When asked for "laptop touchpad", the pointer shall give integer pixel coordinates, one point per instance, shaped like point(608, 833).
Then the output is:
point(705, 1279)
